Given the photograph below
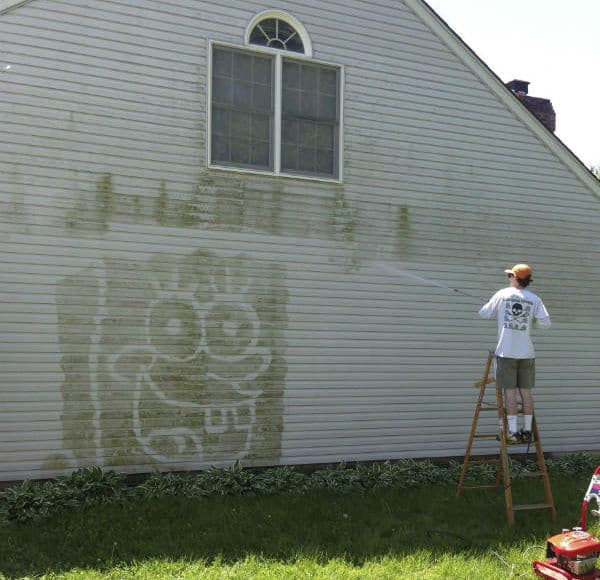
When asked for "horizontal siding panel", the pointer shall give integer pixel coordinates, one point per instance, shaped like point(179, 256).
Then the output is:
point(50, 104)
point(435, 248)
point(116, 97)
point(104, 146)
point(102, 127)
point(56, 78)
point(161, 56)
point(143, 168)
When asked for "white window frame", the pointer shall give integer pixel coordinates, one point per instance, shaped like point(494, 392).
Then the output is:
point(278, 55)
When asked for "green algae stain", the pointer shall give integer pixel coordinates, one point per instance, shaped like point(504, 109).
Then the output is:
point(274, 209)
point(343, 219)
point(217, 201)
point(58, 462)
point(138, 209)
point(76, 303)
point(224, 202)
point(104, 200)
point(178, 362)
point(161, 205)
point(93, 211)
point(402, 231)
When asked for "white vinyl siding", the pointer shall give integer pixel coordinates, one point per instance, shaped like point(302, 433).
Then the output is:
point(309, 321)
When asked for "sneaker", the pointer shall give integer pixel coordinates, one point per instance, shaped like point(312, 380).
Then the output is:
point(512, 438)
point(526, 436)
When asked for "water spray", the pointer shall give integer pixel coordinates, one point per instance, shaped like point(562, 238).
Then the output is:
point(396, 270)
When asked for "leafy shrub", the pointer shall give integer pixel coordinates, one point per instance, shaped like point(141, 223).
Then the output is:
point(280, 480)
point(165, 485)
point(83, 487)
point(29, 501)
point(234, 480)
point(578, 463)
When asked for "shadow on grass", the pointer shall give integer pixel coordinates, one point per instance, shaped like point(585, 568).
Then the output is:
point(320, 525)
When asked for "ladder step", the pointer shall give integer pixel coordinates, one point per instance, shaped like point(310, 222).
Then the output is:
point(533, 506)
point(490, 486)
point(484, 435)
point(532, 474)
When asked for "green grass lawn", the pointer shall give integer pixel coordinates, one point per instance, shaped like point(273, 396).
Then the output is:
point(423, 532)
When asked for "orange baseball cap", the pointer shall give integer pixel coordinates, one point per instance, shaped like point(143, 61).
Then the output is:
point(521, 271)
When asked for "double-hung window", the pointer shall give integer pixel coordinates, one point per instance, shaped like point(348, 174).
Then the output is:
point(273, 109)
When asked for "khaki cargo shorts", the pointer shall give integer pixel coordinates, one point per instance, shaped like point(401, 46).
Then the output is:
point(515, 373)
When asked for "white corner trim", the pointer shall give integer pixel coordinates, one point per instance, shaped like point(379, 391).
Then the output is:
point(6, 5)
point(468, 56)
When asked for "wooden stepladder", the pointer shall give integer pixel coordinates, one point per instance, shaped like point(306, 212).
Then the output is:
point(501, 461)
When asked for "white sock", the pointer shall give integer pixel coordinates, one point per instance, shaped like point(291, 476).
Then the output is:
point(512, 423)
point(528, 420)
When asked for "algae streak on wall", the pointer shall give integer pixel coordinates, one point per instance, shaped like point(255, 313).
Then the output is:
point(176, 360)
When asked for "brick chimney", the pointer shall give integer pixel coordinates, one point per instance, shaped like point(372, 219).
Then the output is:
point(541, 108)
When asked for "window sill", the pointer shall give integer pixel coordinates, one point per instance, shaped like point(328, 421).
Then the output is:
point(298, 176)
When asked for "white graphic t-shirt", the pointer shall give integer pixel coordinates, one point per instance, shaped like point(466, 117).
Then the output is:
point(517, 311)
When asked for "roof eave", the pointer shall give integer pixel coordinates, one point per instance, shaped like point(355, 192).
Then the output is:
point(8, 5)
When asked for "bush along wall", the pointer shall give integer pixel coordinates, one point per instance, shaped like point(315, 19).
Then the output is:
point(91, 486)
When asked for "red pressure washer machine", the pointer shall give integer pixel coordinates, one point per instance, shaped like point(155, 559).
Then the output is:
point(572, 554)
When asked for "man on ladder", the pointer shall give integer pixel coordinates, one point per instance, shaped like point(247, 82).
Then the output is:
point(517, 310)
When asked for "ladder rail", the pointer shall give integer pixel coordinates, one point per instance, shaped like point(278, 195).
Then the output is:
point(505, 475)
point(542, 466)
point(482, 385)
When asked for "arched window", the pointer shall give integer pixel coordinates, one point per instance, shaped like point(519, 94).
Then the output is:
point(279, 30)
point(276, 33)
point(272, 108)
